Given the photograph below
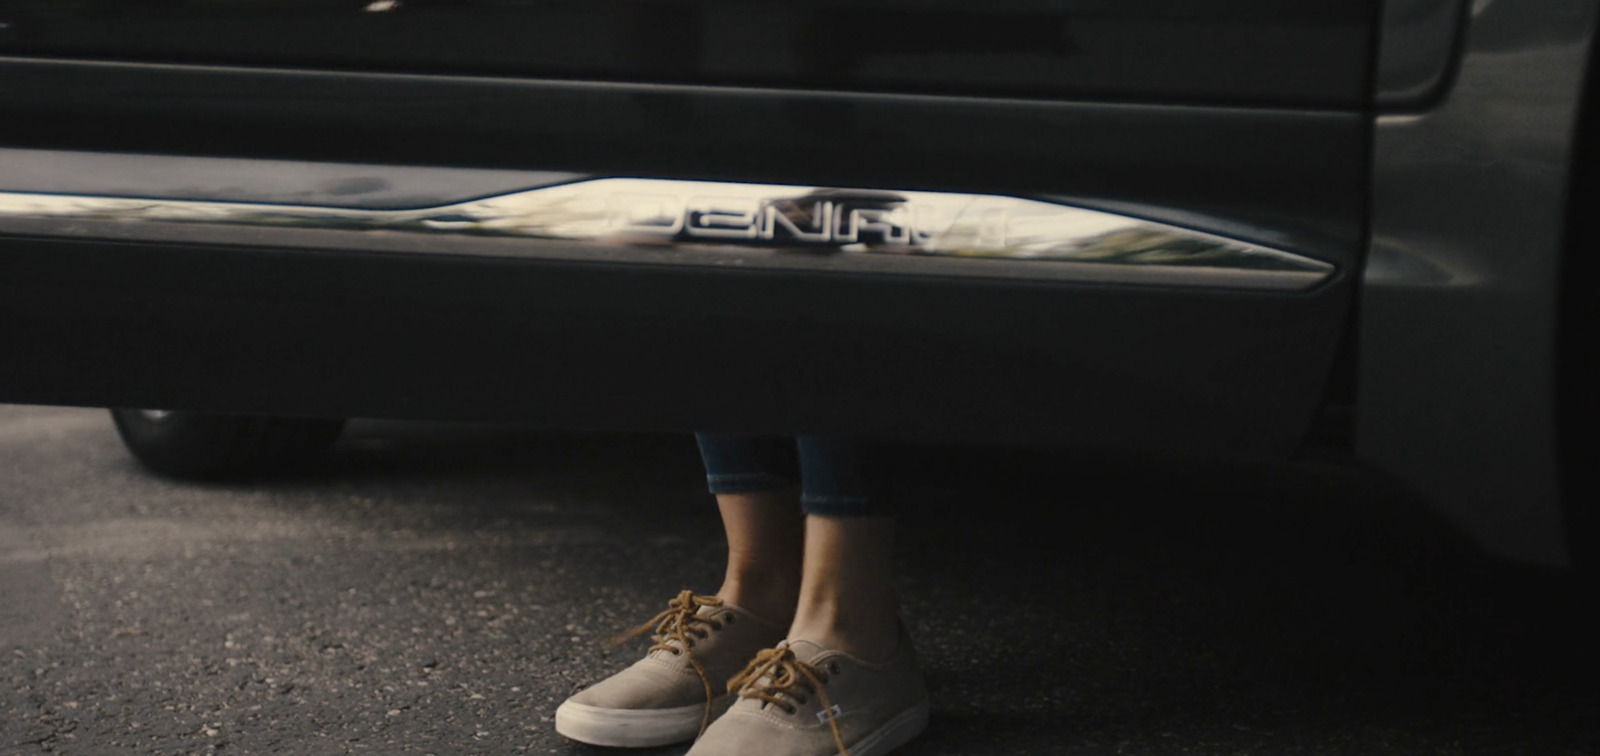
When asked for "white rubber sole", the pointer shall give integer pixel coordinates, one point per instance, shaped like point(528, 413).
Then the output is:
point(632, 728)
point(898, 731)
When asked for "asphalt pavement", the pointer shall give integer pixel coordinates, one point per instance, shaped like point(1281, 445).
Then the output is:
point(441, 588)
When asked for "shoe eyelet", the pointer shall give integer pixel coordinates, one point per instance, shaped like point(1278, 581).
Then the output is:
point(833, 668)
point(730, 618)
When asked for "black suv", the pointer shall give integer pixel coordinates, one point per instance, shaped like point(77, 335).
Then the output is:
point(1224, 226)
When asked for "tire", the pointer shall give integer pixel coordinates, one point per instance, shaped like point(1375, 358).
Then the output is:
point(200, 446)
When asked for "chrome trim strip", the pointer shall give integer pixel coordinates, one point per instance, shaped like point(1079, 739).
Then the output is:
point(714, 223)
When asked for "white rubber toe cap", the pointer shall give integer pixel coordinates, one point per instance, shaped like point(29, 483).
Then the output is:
point(629, 728)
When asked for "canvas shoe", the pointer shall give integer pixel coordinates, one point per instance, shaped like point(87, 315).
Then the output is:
point(674, 692)
point(800, 699)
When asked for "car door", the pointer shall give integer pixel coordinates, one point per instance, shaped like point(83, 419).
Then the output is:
point(1122, 224)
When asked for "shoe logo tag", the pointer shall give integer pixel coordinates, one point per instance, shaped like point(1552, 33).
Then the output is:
point(834, 710)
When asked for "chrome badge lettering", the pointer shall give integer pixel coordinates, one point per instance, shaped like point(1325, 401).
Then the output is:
point(823, 218)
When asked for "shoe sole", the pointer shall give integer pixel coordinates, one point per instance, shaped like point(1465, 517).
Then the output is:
point(901, 729)
point(632, 728)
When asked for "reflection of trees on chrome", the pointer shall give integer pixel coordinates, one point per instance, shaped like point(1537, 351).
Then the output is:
point(557, 215)
point(1148, 246)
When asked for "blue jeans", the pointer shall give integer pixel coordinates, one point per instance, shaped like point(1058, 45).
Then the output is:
point(830, 471)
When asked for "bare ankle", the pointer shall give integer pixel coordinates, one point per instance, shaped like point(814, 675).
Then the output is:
point(769, 598)
point(868, 638)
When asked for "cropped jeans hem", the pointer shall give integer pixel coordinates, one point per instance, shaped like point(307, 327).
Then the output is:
point(830, 471)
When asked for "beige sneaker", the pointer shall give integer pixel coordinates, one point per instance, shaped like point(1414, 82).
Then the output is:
point(672, 694)
point(800, 699)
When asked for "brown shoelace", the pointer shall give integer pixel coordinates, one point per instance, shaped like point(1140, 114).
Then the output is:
point(775, 676)
point(676, 629)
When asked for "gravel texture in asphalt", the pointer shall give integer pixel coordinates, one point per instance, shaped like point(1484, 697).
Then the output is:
point(441, 588)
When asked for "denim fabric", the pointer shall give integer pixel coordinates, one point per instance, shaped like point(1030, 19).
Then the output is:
point(830, 471)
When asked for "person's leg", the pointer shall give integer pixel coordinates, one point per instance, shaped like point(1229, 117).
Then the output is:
point(754, 482)
point(847, 600)
point(846, 678)
point(765, 531)
point(673, 693)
